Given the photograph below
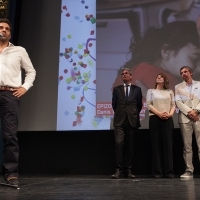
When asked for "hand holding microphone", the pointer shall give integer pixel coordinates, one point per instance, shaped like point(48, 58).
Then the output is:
point(1, 35)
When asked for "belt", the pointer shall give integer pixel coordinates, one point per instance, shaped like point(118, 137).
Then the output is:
point(6, 88)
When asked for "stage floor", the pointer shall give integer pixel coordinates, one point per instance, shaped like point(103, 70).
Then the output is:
point(64, 187)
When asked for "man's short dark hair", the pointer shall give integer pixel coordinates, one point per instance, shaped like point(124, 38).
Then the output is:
point(186, 67)
point(5, 20)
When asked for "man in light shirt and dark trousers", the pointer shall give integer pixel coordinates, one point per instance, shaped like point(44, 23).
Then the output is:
point(12, 60)
point(187, 98)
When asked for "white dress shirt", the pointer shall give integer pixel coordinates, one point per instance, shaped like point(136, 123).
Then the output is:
point(128, 88)
point(12, 59)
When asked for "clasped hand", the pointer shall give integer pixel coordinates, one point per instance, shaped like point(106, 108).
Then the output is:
point(164, 115)
point(193, 115)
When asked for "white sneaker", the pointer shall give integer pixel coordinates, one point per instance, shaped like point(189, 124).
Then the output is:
point(187, 174)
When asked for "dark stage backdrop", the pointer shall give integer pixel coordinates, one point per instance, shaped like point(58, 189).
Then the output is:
point(39, 33)
point(88, 153)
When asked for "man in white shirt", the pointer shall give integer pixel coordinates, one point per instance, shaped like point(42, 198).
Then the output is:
point(187, 97)
point(12, 60)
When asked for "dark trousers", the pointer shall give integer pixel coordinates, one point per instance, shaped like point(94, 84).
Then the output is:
point(9, 111)
point(162, 143)
point(124, 144)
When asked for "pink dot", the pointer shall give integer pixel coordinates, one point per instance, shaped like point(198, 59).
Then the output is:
point(79, 116)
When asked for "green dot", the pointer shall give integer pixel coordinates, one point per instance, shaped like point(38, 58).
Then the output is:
point(85, 88)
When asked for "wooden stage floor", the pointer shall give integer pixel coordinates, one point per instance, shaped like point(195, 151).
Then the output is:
point(57, 187)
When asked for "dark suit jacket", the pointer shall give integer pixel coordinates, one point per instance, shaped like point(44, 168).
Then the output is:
point(132, 107)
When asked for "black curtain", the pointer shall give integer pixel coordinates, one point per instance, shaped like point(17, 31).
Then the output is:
point(14, 12)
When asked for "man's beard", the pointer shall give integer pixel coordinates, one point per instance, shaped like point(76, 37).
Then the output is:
point(185, 78)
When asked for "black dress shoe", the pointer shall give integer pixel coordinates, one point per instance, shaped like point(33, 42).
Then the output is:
point(158, 176)
point(118, 174)
point(169, 176)
point(130, 175)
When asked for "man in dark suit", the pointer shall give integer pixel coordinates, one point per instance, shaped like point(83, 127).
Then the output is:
point(127, 104)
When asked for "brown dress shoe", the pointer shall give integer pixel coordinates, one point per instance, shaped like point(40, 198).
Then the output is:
point(12, 181)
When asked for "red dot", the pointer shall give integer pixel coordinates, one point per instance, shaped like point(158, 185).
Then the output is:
point(90, 45)
point(74, 123)
point(67, 56)
point(65, 71)
point(86, 51)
